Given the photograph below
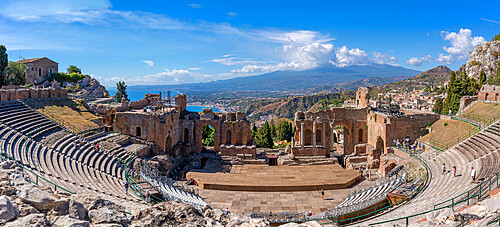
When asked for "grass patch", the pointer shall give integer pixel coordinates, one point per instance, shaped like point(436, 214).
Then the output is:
point(447, 131)
point(483, 110)
point(79, 117)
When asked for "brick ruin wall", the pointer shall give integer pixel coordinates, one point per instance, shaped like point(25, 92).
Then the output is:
point(31, 93)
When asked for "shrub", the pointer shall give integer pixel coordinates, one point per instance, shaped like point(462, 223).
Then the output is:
point(445, 124)
point(69, 88)
point(496, 38)
point(77, 87)
point(64, 77)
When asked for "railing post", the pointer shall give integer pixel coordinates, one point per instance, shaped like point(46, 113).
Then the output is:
point(407, 222)
point(479, 196)
point(36, 180)
point(468, 197)
point(452, 202)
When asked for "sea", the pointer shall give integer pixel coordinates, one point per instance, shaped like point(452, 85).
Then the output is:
point(136, 95)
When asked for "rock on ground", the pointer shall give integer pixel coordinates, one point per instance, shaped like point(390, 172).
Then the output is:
point(8, 209)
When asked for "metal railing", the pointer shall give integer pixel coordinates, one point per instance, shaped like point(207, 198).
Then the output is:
point(135, 186)
point(482, 122)
point(445, 146)
point(37, 179)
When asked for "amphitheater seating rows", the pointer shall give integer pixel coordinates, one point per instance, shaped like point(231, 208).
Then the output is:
point(77, 169)
point(479, 151)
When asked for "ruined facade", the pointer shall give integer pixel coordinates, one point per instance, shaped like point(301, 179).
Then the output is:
point(489, 93)
point(39, 69)
point(178, 131)
point(20, 93)
point(367, 132)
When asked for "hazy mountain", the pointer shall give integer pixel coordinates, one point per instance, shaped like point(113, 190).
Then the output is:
point(298, 81)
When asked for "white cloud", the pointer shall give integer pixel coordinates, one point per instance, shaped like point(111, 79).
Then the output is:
point(445, 59)
point(492, 21)
point(174, 76)
point(346, 57)
point(194, 69)
point(194, 5)
point(462, 43)
point(34, 9)
point(149, 63)
point(379, 58)
point(415, 61)
point(232, 14)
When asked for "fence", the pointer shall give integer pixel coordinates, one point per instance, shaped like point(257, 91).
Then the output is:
point(445, 146)
point(134, 185)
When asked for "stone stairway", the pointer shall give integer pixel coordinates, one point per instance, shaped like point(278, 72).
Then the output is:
point(78, 169)
point(480, 151)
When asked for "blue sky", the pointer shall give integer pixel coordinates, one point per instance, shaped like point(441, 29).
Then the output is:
point(171, 42)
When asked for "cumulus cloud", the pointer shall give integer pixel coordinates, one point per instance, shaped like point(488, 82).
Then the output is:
point(445, 59)
point(231, 60)
point(462, 43)
point(346, 57)
point(174, 76)
point(194, 5)
point(149, 63)
point(415, 61)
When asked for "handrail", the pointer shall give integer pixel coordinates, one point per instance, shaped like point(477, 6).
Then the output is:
point(31, 171)
point(456, 200)
point(133, 184)
point(493, 221)
point(482, 121)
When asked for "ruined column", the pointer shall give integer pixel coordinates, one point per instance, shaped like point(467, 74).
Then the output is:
point(314, 135)
point(324, 134)
point(331, 136)
point(302, 135)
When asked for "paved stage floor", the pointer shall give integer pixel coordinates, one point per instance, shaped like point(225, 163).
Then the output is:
point(263, 178)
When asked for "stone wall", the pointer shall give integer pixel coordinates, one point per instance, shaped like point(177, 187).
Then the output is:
point(40, 70)
point(489, 93)
point(31, 93)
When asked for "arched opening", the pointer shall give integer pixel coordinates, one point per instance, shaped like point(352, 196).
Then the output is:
point(228, 137)
point(186, 135)
point(168, 143)
point(207, 136)
point(360, 135)
point(319, 137)
point(357, 102)
point(138, 132)
point(497, 98)
point(39, 71)
point(380, 144)
point(486, 96)
point(307, 137)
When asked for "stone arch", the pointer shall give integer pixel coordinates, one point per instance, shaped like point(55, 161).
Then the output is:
point(186, 135)
point(497, 97)
point(486, 96)
point(318, 136)
point(228, 136)
point(138, 131)
point(168, 143)
point(360, 135)
point(307, 137)
point(380, 144)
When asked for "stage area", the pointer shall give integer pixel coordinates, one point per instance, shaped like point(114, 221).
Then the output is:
point(263, 178)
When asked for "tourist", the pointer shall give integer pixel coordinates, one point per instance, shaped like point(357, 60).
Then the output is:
point(454, 171)
point(126, 187)
point(148, 197)
point(75, 145)
point(227, 211)
point(473, 175)
point(444, 168)
point(322, 194)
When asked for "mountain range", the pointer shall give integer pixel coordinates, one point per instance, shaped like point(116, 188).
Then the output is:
point(327, 79)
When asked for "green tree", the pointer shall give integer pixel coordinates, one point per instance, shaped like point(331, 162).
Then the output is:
point(272, 127)
point(284, 131)
point(482, 78)
point(496, 38)
point(438, 106)
point(15, 73)
point(207, 135)
point(254, 130)
point(459, 87)
point(73, 69)
point(4, 62)
point(121, 91)
point(263, 138)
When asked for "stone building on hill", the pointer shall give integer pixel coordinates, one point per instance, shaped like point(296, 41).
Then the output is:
point(178, 131)
point(39, 69)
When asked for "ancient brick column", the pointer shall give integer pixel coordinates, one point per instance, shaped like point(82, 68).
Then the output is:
point(302, 135)
point(331, 136)
point(324, 134)
point(314, 135)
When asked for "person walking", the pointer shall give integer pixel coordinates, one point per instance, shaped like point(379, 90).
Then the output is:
point(473, 175)
point(444, 168)
point(454, 171)
point(126, 187)
point(148, 197)
point(322, 194)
